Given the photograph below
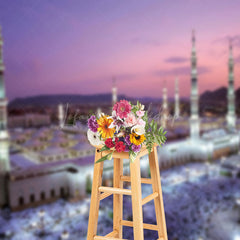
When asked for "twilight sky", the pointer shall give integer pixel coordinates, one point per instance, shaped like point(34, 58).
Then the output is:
point(76, 46)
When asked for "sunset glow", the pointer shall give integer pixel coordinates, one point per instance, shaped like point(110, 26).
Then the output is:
point(78, 46)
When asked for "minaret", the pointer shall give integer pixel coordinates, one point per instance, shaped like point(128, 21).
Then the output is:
point(4, 137)
point(176, 111)
point(114, 92)
point(194, 119)
point(60, 115)
point(99, 111)
point(164, 108)
point(231, 117)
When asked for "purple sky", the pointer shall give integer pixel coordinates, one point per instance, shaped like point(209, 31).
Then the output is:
point(56, 46)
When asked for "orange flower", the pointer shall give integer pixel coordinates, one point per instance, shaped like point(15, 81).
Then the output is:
point(104, 123)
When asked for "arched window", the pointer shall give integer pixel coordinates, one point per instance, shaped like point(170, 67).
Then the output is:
point(21, 201)
point(62, 192)
point(42, 195)
point(32, 198)
point(52, 193)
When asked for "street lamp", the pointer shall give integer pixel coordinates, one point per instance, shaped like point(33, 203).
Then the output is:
point(41, 215)
point(223, 158)
point(34, 224)
point(238, 205)
point(207, 168)
point(187, 170)
point(65, 235)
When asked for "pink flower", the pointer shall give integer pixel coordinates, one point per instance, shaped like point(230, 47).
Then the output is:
point(130, 120)
point(141, 122)
point(140, 113)
point(122, 108)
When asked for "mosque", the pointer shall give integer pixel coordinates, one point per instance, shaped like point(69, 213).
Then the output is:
point(40, 165)
point(212, 144)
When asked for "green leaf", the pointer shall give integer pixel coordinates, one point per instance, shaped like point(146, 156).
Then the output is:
point(106, 157)
point(104, 148)
point(135, 108)
point(152, 122)
point(158, 140)
point(160, 130)
point(154, 127)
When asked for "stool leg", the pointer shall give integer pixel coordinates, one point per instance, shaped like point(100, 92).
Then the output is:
point(136, 199)
point(95, 198)
point(158, 202)
point(117, 198)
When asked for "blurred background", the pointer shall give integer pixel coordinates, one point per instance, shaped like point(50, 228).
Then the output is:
point(61, 61)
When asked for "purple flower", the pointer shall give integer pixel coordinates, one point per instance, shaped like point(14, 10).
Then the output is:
point(92, 124)
point(136, 148)
point(127, 140)
point(126, 148)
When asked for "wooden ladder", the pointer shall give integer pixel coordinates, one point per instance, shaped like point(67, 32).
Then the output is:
point(100, 192)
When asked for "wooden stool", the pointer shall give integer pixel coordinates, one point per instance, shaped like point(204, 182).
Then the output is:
point(100, 192)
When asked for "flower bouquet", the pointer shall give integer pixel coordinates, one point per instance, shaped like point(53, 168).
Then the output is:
point(126, 130)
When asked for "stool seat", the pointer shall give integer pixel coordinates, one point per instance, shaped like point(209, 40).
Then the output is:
point(100, 192)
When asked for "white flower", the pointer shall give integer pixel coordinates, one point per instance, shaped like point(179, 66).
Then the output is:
point(138, 129)
point(115, 121)
point(114, 114)
point(121, 134)
point(100, 114)
point(141, 107)
point(112, 125)
point(94, 138)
